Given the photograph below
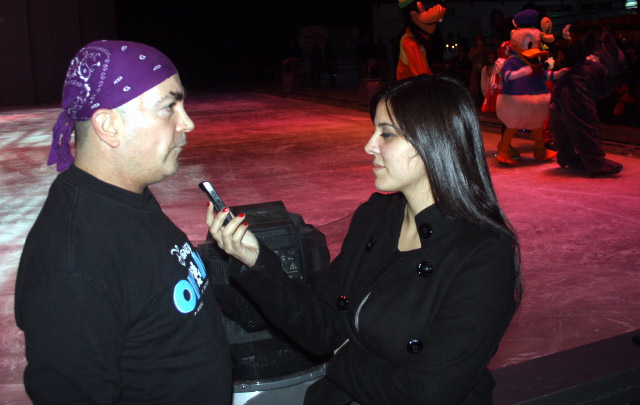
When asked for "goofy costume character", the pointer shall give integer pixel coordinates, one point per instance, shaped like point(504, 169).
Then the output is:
point(420, 24)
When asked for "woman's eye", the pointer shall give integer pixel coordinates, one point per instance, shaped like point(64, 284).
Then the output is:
point(386, 135)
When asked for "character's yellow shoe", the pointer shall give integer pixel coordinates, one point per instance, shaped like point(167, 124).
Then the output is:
point(506, 159)
point(512, 151)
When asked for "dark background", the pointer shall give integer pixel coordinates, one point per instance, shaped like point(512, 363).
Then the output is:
point(211, 42)
point(226, 41)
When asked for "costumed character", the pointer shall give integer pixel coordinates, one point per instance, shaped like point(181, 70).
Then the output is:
point(494, 87)
point(524, 100)
point(574, 117)
point(420, 25)
point(548, 38)
point(548, 41)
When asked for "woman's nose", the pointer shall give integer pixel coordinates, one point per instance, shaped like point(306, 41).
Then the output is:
point(371, 147)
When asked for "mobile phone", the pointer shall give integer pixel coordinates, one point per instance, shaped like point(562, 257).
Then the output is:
point(215, 198)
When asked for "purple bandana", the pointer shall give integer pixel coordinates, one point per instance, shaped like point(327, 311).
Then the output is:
point(104, 74)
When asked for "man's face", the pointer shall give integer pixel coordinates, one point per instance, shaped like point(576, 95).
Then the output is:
point(155, 126)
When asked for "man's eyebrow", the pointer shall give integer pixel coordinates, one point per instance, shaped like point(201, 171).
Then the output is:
point(173, 96)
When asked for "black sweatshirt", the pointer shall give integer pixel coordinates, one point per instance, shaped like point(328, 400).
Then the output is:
point(115, 303)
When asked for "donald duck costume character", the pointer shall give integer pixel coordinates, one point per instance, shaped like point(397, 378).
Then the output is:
point(524, 100)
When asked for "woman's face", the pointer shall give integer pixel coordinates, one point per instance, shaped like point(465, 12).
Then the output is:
point(396, 164)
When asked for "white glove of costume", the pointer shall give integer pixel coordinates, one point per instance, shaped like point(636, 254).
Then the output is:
point(518, 74)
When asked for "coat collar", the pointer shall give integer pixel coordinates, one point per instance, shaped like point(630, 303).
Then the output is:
point(432, 216)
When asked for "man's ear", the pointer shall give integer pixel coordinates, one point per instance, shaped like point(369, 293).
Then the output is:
point(104, 124)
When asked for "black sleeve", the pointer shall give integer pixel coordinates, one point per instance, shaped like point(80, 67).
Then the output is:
point(73, 341)
point(307, 318)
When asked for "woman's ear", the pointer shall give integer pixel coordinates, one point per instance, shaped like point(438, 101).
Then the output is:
point(103, 121)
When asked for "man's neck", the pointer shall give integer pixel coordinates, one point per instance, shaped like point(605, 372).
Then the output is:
point(109, 176)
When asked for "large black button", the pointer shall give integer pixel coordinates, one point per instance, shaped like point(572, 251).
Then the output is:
point(425, 231)
point(424, 269)
point(342, 303)
point(414, 346)
point(370, 244)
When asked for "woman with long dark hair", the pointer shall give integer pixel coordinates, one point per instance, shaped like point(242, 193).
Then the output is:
point(428, 279)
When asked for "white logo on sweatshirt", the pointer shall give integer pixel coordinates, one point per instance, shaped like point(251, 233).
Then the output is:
point(188, 292)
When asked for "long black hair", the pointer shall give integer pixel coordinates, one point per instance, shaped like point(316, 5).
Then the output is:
point(437, 116)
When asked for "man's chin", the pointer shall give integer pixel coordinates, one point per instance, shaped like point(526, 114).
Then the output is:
point(170, 169)
point(174, 170)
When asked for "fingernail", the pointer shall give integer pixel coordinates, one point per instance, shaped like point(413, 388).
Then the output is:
point(208, 203)
point(225, 209)
point(241, 215)
point(246, 224)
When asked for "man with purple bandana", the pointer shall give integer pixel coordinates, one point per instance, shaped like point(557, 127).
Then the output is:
point(115, 303)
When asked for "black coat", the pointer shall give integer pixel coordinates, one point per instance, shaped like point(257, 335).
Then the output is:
point(431, 320)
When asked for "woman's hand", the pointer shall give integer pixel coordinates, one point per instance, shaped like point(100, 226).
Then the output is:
point(234, 238)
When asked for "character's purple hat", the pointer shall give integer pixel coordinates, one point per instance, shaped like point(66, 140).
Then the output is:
point(526, 19)
point(104, 74)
